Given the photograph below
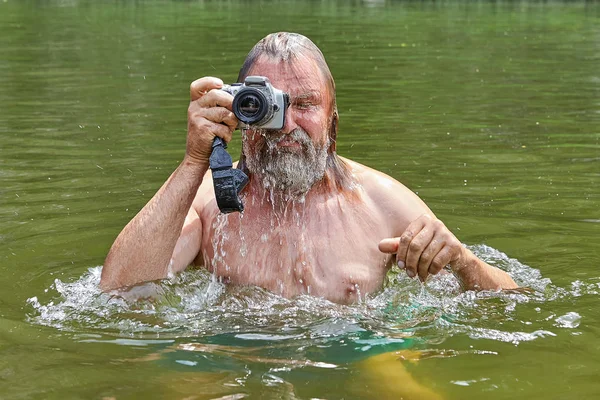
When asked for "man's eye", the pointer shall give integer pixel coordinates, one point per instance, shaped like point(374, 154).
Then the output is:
point(304, 105)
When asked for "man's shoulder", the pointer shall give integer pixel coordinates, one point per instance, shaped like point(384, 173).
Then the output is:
point(388, 194)
point(372, 180)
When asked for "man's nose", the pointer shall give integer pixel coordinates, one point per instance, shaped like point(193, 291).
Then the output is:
point(290, 121)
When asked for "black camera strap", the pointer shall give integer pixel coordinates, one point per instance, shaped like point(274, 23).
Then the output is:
point(228, 182)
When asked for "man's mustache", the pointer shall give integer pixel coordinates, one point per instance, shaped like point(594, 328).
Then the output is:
point(271, 138)
point(298, 134)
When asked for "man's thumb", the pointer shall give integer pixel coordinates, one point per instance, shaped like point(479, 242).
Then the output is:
point(389, 246)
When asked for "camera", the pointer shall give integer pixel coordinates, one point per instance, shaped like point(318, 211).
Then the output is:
point(257, 103)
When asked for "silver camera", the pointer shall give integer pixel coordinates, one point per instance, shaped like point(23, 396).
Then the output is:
point(257, 103)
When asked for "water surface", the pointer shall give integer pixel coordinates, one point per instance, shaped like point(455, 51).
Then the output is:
point(489, 111)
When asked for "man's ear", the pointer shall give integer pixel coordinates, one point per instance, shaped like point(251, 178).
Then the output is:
point(333, 130)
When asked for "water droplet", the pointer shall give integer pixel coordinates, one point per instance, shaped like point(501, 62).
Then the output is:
point(569, 320)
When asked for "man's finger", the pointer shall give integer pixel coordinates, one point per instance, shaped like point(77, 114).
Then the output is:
point(216, 98)
point(230, 120)
point(222, 131)
point(413, 229)
point(443, 258)
point(389, 246)
point(201, 86)
point(219, 115)
point(435, 245)
point(415, 249)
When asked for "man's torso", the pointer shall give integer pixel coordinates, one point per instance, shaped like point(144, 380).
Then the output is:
point(326, 248)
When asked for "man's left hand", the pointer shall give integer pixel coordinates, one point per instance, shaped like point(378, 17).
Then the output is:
point(425, 247)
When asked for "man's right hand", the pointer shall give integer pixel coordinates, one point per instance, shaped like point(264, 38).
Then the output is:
point(209, 115)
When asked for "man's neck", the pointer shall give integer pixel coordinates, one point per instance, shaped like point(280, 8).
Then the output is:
point(285, 200)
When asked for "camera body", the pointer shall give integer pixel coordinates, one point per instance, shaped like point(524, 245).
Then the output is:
point(257, 103)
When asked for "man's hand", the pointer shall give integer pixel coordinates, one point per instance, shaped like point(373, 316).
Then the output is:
point(425, 247)
point(209, 115)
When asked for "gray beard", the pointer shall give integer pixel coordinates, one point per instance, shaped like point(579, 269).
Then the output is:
point(283, 171)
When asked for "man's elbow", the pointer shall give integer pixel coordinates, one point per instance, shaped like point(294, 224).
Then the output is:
point(112, 276)
point(109, 280)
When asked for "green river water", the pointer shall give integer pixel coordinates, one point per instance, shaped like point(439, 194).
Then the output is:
point(490, 111)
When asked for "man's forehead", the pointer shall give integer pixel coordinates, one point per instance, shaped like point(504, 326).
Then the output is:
point(297, 77)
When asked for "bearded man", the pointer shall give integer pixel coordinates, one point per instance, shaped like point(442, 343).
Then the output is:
point(314, 222)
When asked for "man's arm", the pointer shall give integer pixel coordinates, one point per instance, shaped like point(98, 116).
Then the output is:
point(144, 250)
point(166, 234)
point(423, 244)
point(427, 246)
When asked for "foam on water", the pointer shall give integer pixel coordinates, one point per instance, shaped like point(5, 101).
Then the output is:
point(195, 304)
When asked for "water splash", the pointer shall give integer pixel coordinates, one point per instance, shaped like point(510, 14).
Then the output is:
point(195, 304)
point(219, 238)
point(243, 244)
point(569, 320)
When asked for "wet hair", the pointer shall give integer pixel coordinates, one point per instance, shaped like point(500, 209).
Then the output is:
point(288, 48)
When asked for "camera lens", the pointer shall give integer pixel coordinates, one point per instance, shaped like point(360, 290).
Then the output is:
point(250, 105)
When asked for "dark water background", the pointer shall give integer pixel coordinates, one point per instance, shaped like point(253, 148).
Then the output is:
point(489, 110)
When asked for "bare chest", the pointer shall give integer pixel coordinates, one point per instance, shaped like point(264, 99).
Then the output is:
point(322, 253)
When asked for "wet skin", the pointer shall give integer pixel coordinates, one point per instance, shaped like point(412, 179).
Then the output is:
point(326, 245)
point(334, 243)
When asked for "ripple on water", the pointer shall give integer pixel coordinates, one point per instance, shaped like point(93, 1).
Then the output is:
point(195, 304)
